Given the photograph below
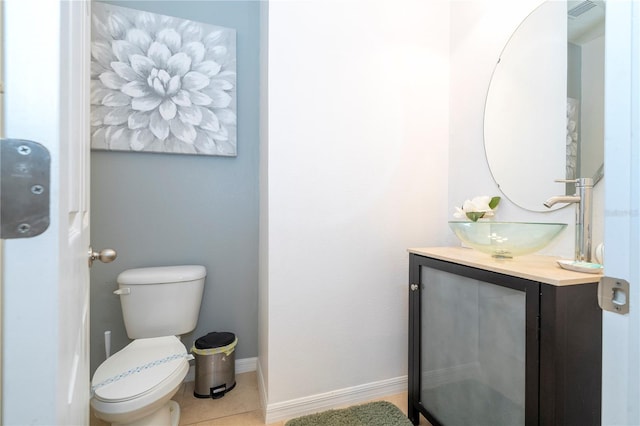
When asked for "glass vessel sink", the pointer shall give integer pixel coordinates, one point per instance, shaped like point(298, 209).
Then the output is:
point(506, 239)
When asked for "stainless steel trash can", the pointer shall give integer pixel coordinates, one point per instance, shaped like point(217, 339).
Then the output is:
point(215, 364)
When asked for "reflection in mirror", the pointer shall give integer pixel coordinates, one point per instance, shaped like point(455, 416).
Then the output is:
point(544, 108)
point(585, 89)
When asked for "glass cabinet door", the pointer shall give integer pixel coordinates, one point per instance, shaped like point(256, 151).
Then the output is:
point(474, 348)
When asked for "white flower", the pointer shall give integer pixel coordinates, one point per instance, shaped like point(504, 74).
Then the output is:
point(477, 208)
point(160, 84)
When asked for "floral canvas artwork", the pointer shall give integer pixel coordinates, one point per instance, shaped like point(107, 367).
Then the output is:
point(161, 84)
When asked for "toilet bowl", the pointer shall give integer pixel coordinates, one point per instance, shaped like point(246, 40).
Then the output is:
point(135, 385)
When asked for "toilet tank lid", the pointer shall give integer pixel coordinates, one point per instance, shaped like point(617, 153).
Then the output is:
point(162, 274)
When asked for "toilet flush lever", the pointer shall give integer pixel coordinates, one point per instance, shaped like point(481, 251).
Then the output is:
point(104, 256)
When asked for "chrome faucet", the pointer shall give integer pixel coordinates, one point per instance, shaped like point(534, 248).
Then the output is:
point(582, 198)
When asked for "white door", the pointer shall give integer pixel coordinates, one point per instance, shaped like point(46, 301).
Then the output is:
point(46, 278)
point(621, 340)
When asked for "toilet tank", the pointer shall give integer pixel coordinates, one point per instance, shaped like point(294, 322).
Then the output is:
point(161, 301)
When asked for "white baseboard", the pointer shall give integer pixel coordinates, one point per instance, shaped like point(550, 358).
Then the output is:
point(243, 365)
point(262, 391)
point(325, 401)
point(246, 365)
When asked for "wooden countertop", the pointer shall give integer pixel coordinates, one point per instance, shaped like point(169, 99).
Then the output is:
point(532, 267)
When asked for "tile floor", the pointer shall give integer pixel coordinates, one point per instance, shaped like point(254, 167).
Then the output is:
point(240, 407)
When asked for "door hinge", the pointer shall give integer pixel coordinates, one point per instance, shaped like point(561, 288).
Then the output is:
point(24, 188)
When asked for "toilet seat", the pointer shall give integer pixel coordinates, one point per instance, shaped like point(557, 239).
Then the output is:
point(139, 368)
point(139, 379)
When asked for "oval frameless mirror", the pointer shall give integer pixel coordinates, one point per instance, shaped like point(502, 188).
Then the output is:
point(544, 112)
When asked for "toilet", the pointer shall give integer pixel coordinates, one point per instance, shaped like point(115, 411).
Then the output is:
point(134, 386)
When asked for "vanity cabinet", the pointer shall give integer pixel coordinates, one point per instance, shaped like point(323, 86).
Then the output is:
point(511, 342)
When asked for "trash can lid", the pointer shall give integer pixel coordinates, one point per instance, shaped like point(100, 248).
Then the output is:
point(215, 340)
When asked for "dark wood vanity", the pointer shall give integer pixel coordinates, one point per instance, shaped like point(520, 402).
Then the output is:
point(502, 342)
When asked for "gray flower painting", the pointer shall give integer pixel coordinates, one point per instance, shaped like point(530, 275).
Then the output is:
point(161, 84)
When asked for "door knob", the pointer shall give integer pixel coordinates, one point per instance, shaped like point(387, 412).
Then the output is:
point(104, 256)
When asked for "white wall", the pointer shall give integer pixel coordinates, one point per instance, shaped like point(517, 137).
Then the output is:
point(479, 31)
point(356, 172)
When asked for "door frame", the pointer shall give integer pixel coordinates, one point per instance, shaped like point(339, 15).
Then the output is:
point(621, 333)
point(1, 136)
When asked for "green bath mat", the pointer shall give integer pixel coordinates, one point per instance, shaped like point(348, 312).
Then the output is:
point(380, 413)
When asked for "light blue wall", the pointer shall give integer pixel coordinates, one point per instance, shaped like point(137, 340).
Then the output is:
point(158, 209)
